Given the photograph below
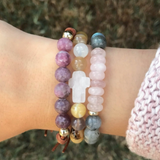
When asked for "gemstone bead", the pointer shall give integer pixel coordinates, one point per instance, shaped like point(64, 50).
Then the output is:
point(97, 91)
point(62, 106)
point(78, 124)
point(95, 99)
point(78, 110)
point(96, 83)
point(77, 136)
point(93, 122)
point(98, 66)
point(90, 136)
point(80, 37)
point(98, 40)
point(95, 107)
point(98, 51)
point(97, 58)
point(80, 50)
point(64, 44)
point(62, 74)
point(94, 75)
point(79, 64)
point(63, 121)
point(63, 59)
point(62, 90)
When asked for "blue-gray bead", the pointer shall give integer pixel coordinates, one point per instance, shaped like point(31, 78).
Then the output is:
point(98, 40)
point(93, 122)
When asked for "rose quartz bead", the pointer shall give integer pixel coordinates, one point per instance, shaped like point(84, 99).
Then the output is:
point(97, 83)
point(94, 107)
point(97, 75)
point(98, 51)
point(98, 58)
point(97, 91)
point(95, 99)
point(98, 66)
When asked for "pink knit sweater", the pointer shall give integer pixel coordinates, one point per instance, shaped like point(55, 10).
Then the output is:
point(143, 134)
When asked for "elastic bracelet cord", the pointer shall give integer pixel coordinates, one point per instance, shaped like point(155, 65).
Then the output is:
point(79, 82)
point(97, 74)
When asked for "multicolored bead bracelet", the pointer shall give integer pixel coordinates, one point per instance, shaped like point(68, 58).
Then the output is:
point(97, 74)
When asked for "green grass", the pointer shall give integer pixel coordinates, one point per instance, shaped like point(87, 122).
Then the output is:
point(125, 23)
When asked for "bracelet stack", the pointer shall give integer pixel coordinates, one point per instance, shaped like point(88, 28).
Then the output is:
point(98, 67)
point(79, 82)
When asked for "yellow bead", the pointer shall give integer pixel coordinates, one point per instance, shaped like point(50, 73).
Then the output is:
point(77, 136)
point(80, 37)
point(79, 64)
point(64, 132)
point(78, 110)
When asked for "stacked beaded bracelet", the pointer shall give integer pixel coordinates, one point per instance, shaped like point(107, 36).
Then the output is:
point(98, 67)
point(79, 82)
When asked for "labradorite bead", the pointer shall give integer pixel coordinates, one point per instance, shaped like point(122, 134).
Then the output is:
point(91, 137)
point(93, 122)
point(78, 124)
point(98, 40)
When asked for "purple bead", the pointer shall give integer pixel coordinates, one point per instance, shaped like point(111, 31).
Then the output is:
point(62, 74)
point(63, 59)
point(64, 44)
point(62, 106)
point(63, 121)
point(62, 90)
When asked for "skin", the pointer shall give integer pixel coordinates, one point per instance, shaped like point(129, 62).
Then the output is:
point(27, 67)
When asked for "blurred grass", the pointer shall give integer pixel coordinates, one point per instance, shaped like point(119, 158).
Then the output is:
point(125, 23)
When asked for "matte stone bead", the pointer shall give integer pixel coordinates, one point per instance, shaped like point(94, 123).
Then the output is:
point(78, 110)
point(97, 91)
point(90, 136)
point(98, 58)
point(98, 51)
point(63, 59)
point(80, 37)
point(95, 99)
point(94, 75)
point(79, 64)
point(98, 40)
point(62, 90)
point(63, 121)
point(98, 66)
point(62, 74)
point(78, 124)
point(98, 83)
point(62, 106)
point(64, 44)
point(93, 122)
point(94, 107)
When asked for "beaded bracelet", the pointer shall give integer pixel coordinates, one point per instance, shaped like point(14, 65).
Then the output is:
point(98, 67)
point(79, 82)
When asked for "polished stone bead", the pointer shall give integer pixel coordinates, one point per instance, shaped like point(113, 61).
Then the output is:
point(98, 40)
point(94, 107)
point(80, 50)
point(95, 99)
point(62, 90)
point(63, 59)
point(64, 44)
point(78, 124)
point(78, 110)
point(95, 75)
point(98, 83)
point(93, 122)
point(97, 91)
point(63, 121)
point(62, 106)
point(98, 51)
point(98, 66)
point(90, 136)
point(77, 136)
point(62, 74)
point(97, 58)
point(80, 37)
point(79, 64)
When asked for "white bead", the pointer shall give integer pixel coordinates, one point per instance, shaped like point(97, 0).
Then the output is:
point(98, 67)
point(80, 50)
point(79, 82)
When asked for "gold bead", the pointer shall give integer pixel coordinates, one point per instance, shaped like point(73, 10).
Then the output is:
point(64, 132)
point(77, 136)
point(80, 37)
point(67, 34)
point(78, 110)
point(93, 113)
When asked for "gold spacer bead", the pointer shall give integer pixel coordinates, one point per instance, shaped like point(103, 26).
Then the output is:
point(93, 113)
point(64, 132)
point(67, 34)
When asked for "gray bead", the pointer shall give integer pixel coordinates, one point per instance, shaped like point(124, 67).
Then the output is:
point(91, 137)
point(98, 40)
point(78, 124)
point(93, 122)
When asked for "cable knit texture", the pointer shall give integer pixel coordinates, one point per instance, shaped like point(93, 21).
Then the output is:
point(143, 134)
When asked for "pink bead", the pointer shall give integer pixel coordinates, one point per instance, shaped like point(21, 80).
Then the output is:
point(97, 75)
point(98, 51)
point(95, 99)
point(64, 44)
point(97, 91)
point(97, 83)
point(98, 67)
point(94, 107)
point(98, 58)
